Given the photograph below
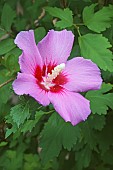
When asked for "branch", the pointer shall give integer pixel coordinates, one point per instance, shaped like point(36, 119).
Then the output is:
point(5, 83)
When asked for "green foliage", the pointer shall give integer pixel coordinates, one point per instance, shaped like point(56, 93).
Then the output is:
point(7, 17)
point(30, 124)
point(10, 61)
point(64, 15)
point(33, 137)
point(20, 113)
point(83, 158)
point(21, 119)
point(97, 122)
point(6, 90)
point(99, 20)
point(3, 144)
point(6, 45)
point(17, 160)
point(12, 159)
point(100, 101)
point(2, 32)
point(31, 162)
point(38, 36)
point(56, 134)
point(95, 47)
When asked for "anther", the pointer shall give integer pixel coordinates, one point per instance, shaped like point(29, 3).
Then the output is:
point(47, 81)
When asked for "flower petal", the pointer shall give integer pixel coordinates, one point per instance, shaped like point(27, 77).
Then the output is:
point(82, 75)
point(27, 84)
point(30, 57)
point(56, 46)
point(71, 106)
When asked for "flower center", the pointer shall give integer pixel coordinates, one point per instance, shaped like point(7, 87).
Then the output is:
point(48, 80)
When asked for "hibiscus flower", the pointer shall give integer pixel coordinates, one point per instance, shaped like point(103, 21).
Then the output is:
point(48, 77)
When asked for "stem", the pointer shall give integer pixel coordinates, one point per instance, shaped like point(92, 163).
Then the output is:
point(80, 24)
point(39, 107)
point(5, 83)
point(77, 28)
point(63, 3)
point(6, 33)
point(51, 111)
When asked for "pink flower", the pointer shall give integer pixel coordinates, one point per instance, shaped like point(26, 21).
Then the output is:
point(47, 76)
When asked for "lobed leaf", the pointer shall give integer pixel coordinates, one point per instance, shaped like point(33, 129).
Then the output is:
point(96, 47)
point(56, 134)
point(100, 20)
point(20, 113)
point(30, 124)
point(100, 101)
point(83, 158)
point(64, 15)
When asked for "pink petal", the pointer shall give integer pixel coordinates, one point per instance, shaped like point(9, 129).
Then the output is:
point(30, 57)
point(56, 46)
point(82, 75)
point(27, 84)
point(71, 106)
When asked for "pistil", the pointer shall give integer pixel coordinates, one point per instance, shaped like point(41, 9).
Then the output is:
point(47, 81)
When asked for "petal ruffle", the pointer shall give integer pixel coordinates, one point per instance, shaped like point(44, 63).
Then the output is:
point(71, 106)
point(27, 84)
point(56, 46)
point(82, 75)
point(30, 57)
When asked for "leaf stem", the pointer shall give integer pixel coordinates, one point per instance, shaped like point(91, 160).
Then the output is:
point(77, 28)
point(51, 111)
point(5, 83)
point(39, 107)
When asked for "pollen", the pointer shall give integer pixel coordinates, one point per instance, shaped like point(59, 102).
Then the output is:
point(47, 81)
point(55, 72)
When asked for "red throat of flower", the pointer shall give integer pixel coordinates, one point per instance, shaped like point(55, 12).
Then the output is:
point(51, 78)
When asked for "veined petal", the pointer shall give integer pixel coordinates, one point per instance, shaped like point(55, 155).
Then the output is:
point(71, 106)
point(56, 46)
point(83, 75)
point(30, 57)
point(27, 84)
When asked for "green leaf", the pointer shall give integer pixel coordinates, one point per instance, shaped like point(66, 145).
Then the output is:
point(40, 32)
point(17, 117)
point(108, 157)
point(95, 47)
point(83, 158)
point(5, 91)
point(99, 20)
point(30, 124)
point(20, 113)
point(64, 15)
point(88, 135)
point(14, 127)
point(3, 144)
point(2, 32)
point(56, 134)
point(11, 159)
point(31, 162)
point(11, 63)
point(99, 100)
point(6, 46)
point(105, 137)
point(7, 17)
point(97, 122)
